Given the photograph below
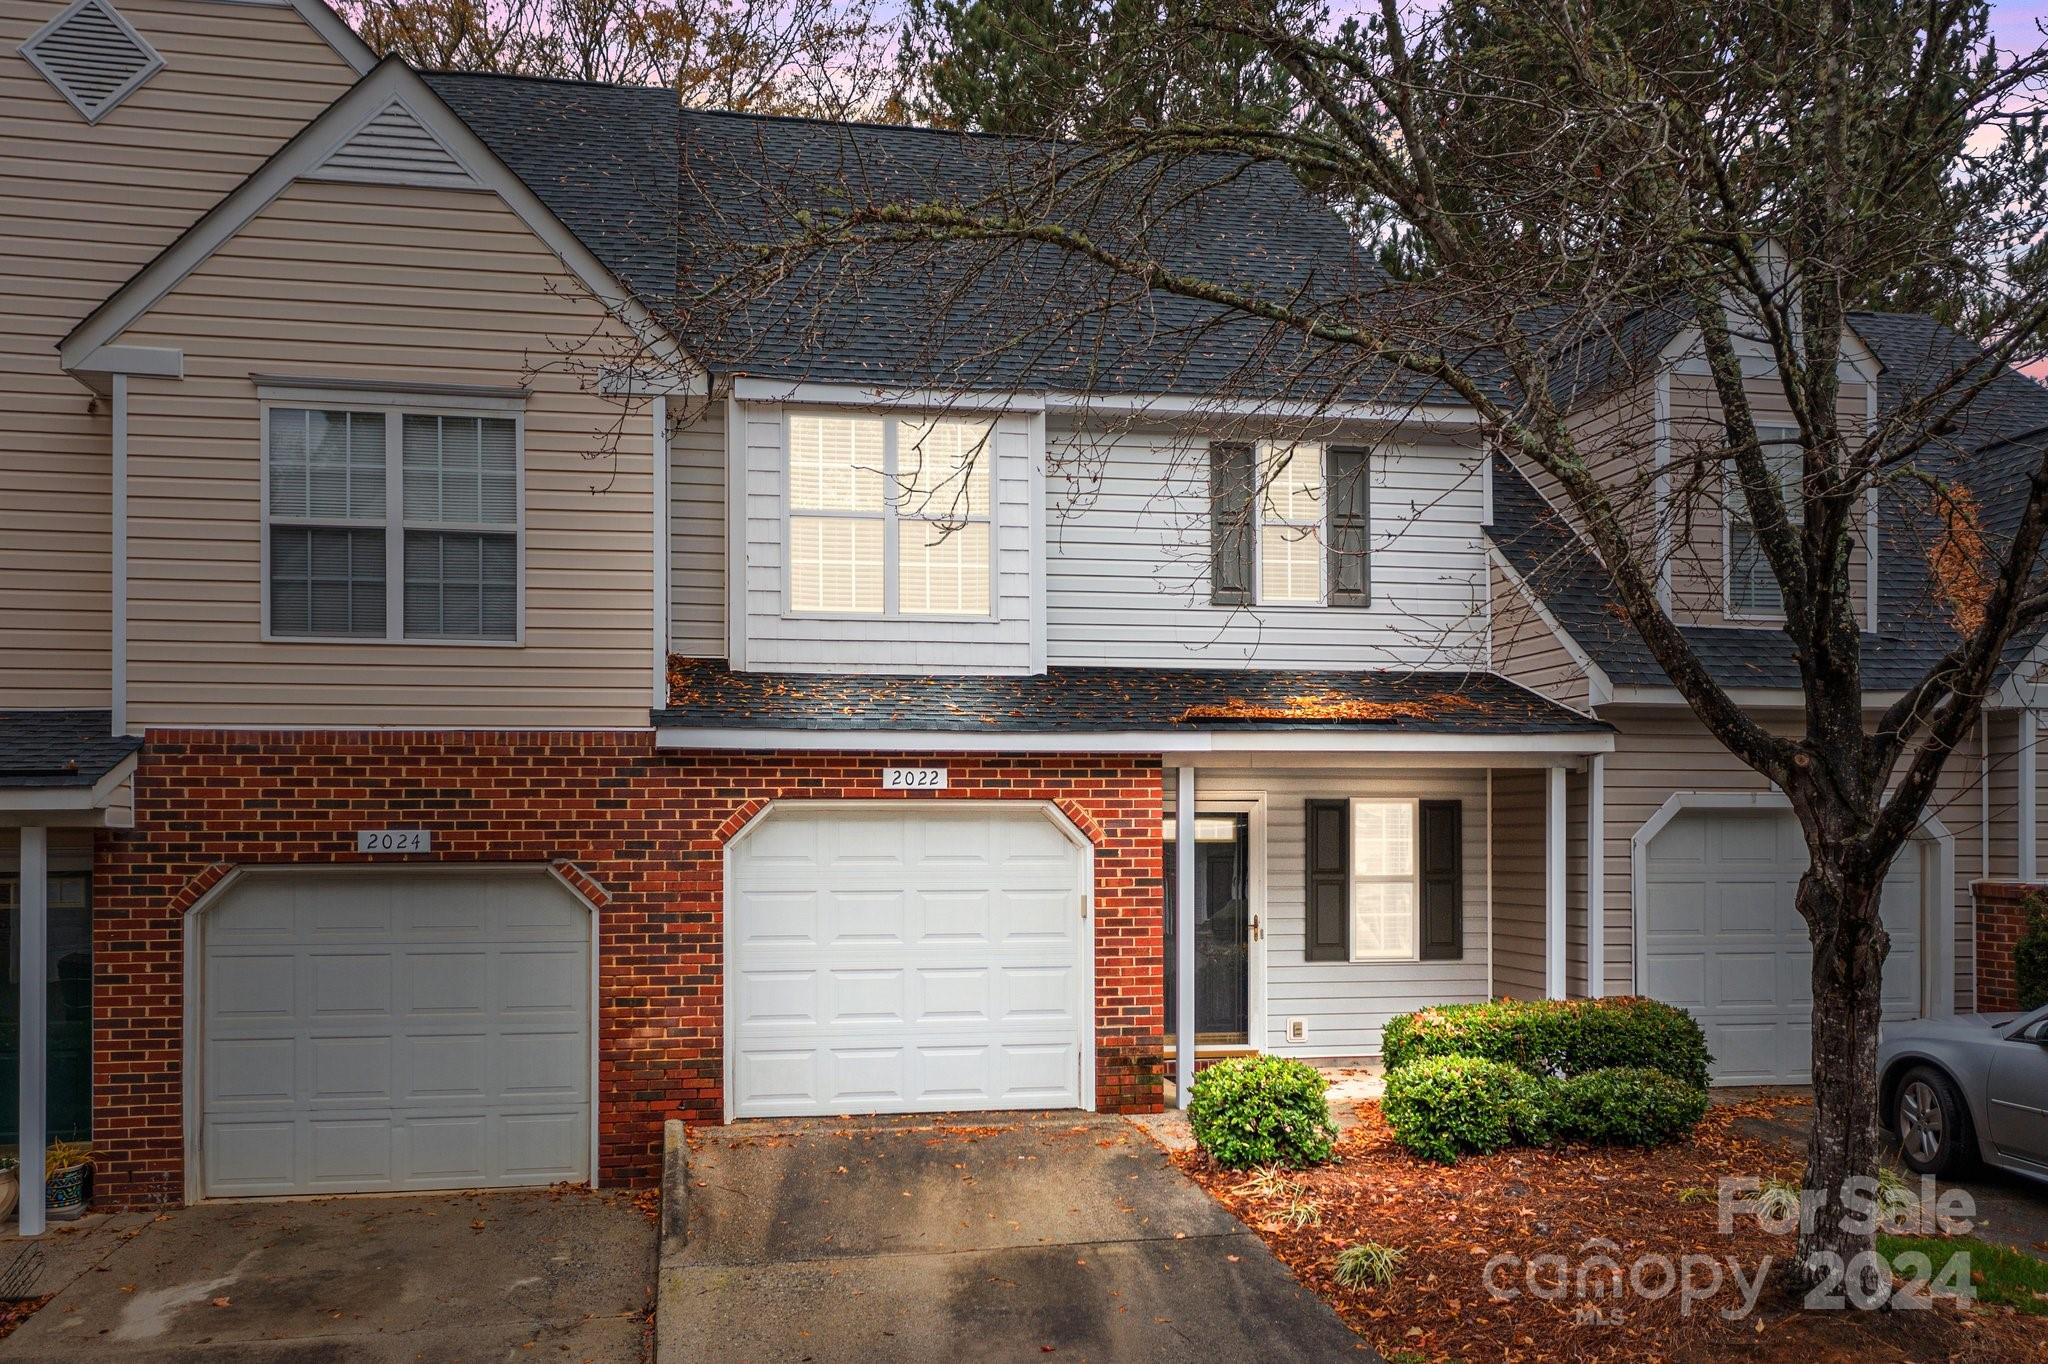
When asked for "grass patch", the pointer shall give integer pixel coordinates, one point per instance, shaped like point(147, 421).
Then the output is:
point(1371, 1265)
point(2000, 1274)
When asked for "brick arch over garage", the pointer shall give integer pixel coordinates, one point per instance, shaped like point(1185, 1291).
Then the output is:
point(638, 831)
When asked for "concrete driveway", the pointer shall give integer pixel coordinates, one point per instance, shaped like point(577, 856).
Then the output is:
point(529, 1275)
point(1067, 1236)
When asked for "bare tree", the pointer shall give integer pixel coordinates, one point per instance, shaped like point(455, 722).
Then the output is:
point(1570, 178)
point(823, 57)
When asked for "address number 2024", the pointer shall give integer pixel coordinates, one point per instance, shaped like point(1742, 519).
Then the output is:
point(913, 779)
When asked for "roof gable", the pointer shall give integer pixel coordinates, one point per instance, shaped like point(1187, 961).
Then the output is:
point(337, 128)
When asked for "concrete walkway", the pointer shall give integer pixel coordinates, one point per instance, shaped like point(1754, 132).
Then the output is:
point(540, 1275)
point(1068, 1235)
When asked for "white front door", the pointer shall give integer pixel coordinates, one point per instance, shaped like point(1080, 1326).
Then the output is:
point(906, 959)
point(366, 1030)
point(1722, 938)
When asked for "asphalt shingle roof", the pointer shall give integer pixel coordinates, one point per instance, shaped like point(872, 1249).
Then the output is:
point(705, 694)
point(49, 748)
point(601, 157)
point(1994, 445)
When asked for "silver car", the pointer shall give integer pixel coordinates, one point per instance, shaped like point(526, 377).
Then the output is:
point(1973, 1087)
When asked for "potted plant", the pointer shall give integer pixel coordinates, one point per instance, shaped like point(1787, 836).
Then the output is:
point(67, 1178)
point(10, 1185)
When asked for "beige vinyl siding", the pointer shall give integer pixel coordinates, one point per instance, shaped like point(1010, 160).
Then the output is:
point(1347, 1003)
point(1127, 561)
point(1518, 818)
point(1527, 650)
point(1698, 558)
point(83, 207)
point(1659, 752)
point(392, 285)
point(696, 543)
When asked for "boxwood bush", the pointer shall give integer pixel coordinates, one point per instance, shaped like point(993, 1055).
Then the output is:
point(2030, 957)
point(1555, 1037)
point(1443, 1106)
point(1261, 1110)
point(1621, 1106)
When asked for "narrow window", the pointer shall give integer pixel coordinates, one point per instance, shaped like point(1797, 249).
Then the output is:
point(942, 479)
point(1383, 898)
point(1291, 524)
point(1752, 587)
point(836, 513)
point(327, 522)
point(461, 527)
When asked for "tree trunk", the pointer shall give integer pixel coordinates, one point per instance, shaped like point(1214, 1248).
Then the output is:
point(1837, 1252)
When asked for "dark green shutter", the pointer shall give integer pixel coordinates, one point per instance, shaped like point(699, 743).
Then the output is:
point(1230, 523)
point(1442, 840)
point(1329, 880)
point(1350, 539)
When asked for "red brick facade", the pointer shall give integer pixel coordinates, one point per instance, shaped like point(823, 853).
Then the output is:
point(2001, 919)
point(639, 832)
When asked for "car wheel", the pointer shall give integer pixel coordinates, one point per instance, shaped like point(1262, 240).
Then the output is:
point(1932, 1123)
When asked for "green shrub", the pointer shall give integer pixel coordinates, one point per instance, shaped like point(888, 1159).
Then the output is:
point(1371, 1265)
point(1555, 1037)
point(1262, 1110)
point(2030, 957)
point(1443, 1106)
point(1622, 1106)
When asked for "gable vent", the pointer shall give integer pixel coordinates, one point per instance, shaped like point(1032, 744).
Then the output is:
point(395, 146)
point(92, 55)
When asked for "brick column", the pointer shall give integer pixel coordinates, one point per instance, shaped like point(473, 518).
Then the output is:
point(2001, 919)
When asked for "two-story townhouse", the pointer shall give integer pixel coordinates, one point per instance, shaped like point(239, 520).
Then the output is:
point(1691, 859)
point(540, 699)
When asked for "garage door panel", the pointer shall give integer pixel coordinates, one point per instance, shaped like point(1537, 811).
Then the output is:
point(402, 1063)
point(1744, 967)
point(943, 970)
point(348, 985)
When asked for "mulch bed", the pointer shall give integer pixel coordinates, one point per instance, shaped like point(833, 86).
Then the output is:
point(1449, 1222)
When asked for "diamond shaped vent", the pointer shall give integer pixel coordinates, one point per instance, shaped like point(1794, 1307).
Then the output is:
point(92, 55)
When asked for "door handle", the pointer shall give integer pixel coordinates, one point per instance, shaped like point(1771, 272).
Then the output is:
point(1258, 933)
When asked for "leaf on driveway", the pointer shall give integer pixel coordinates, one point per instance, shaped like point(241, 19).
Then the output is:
point(223, 1302)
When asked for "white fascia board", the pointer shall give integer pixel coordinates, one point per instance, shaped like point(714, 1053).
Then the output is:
point(750, 390)
point(338, 34)
point(1134, 741)
point(1790, 698)
point(390, 80)
point(1599, 687)
point(1176, 405)
point(64, 799)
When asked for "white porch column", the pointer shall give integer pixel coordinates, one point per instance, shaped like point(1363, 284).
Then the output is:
point(663, 570)
point(2028, 778)
point(1596, 876)
point(34, 1033)
point(1184, 934)
point(1554, 984)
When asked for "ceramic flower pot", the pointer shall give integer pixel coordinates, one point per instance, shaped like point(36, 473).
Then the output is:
point(65, 1193)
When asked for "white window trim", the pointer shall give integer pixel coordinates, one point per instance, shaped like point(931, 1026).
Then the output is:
point(1414, 877)
point(1320, 531)
point(394, 406)
point(891, 518)
point(1731, 490)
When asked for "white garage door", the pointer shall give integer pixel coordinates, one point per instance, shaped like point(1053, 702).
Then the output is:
point(1723, 939)
point(904, 961)
point(370, 1030)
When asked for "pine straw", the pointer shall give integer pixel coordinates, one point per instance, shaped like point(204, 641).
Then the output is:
point(1449, 1221)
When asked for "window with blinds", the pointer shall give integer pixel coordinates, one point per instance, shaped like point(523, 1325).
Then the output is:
point(889, 516)
point(392, 524)
point(1291, 524)
point(1383, 882)
point(1752, 587)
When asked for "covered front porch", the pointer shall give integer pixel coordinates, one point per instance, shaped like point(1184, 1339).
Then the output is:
point(1334, 889)
point(63, 775)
